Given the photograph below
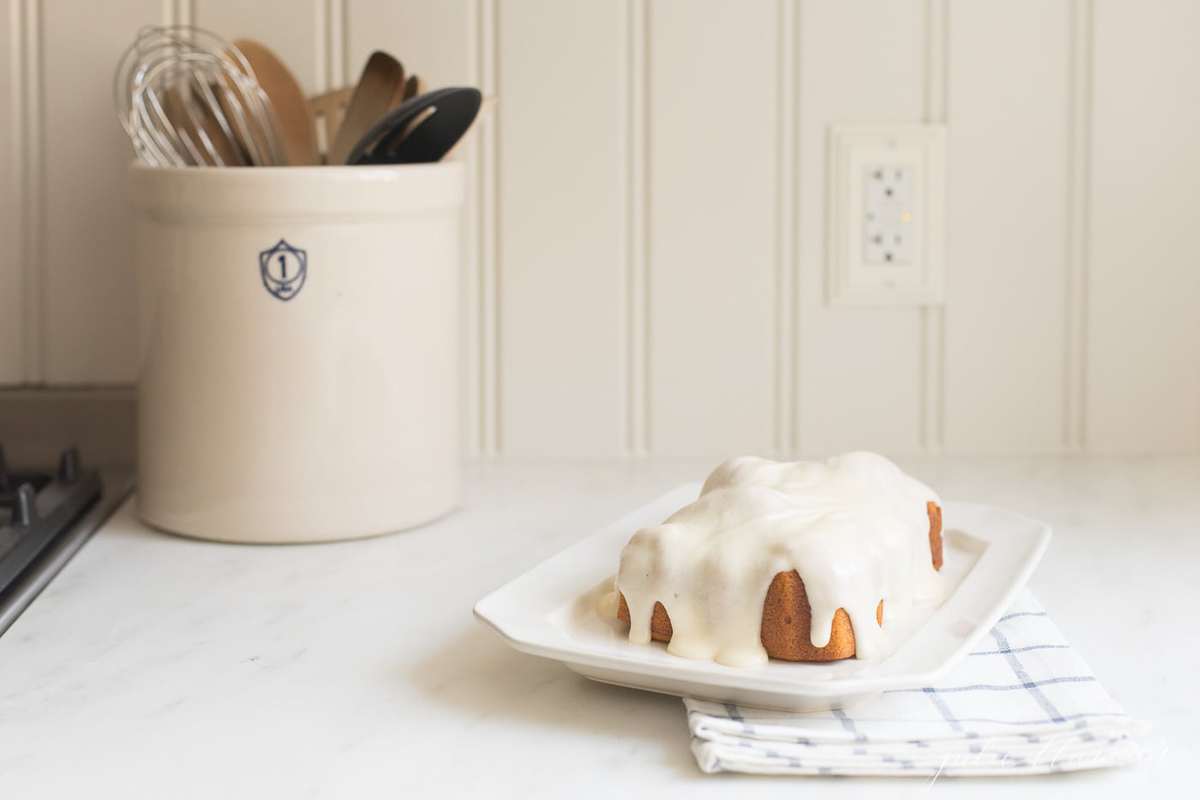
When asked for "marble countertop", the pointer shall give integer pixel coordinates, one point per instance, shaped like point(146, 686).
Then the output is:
point(155, 666)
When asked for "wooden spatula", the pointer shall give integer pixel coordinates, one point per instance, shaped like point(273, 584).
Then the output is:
point(329, 109)
point(381, 83)
point(413, 87)
point(287, 99)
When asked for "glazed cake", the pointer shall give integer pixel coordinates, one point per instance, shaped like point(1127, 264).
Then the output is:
point(803, 561)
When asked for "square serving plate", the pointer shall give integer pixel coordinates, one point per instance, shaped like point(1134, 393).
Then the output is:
point(551, 611)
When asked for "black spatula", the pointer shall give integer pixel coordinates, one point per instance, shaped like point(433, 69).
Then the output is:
point(419, 130)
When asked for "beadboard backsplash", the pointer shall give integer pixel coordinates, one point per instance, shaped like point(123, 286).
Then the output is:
point(645, 230)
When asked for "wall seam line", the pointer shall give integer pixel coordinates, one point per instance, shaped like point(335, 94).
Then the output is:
point(471, 390)
point(491, 434)
point(32, 212)
point(628, 390)
point(933, 318)
point(645, 319)
point(785, 232)
point(339, 49)
point(321, 44)
point(797, 105)
point(11, 195)
point(1078, 220)
point(636, 411)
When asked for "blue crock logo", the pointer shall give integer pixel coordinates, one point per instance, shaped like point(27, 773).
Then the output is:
point(283, 269)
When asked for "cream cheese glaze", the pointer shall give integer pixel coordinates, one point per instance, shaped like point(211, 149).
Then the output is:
point(854, 527)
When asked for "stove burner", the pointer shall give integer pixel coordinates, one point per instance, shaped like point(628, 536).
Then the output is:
point(36, 508)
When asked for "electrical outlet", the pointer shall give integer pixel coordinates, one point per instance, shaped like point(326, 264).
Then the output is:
point(888, 219)
point(886, 215)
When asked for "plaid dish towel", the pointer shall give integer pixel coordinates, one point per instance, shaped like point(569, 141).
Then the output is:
point(1023, 702)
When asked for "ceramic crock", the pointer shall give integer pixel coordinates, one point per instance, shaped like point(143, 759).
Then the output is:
point(299, 360)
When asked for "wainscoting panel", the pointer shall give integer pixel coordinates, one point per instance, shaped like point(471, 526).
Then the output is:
point(859, 370)
point(645, 228)
point(88, 289)
point(1143, 346)
point(12, 272)
point(562, 119)
point(712, 160)
point(292, 28)
point(1008, 218)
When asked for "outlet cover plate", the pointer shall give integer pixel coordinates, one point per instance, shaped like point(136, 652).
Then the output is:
point(859, 272)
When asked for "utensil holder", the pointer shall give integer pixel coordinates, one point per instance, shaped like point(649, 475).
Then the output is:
point(299, 359)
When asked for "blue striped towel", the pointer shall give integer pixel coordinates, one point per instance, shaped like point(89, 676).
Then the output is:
point(1023, 702)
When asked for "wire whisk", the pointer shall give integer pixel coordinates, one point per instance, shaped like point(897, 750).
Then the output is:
point(186, 97)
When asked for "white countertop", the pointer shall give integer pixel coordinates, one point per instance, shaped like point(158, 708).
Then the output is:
point(158, 666)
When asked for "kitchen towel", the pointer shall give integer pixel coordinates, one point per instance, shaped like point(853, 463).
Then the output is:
point(1023, 702)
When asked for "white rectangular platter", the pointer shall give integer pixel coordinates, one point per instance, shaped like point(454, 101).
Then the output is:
point(551, 611)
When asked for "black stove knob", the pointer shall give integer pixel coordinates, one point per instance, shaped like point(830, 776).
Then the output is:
point(24, 509)
point(68, 465)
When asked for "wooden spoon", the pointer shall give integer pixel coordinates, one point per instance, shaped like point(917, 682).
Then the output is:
point(381, 83)
point(296, 124)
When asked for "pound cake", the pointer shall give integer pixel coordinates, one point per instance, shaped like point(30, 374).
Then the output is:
point(798, 561)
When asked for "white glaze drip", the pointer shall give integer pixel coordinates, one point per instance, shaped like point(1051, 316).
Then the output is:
point(855, 528)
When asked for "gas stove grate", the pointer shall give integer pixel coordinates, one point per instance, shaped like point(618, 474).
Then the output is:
point(36, 508)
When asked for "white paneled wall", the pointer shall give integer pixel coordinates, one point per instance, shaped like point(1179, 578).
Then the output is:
point(89, 324)
point(563, 130)
point(1009, 219)
point(12, 275)
point(1143, 300)
point(859, 371)
point(713, 174)
point(645, 229)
